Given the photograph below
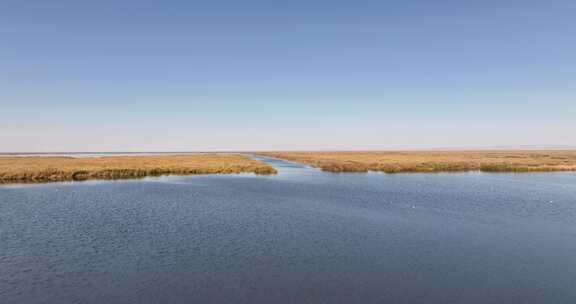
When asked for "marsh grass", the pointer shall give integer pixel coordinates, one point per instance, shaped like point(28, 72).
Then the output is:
point(435, 161)
point(52, 169)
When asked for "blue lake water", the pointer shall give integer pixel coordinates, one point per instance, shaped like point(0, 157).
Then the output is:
point(302, 236)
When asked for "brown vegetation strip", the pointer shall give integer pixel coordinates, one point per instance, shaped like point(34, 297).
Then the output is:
point(435, 161)
point(48, 169)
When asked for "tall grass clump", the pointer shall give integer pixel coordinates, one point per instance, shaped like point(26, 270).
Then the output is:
point(435, 161)
point(52, 169)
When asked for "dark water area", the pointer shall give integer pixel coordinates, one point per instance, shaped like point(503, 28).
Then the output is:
point(302, 236)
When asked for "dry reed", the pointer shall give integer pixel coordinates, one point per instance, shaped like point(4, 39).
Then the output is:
point(50, 169)
point(435, 161)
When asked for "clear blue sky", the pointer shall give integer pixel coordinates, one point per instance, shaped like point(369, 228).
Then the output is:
point(139, 75)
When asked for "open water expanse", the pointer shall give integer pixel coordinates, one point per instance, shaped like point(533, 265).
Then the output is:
point(302, 236)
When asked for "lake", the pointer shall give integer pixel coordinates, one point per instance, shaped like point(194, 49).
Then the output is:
point(302, 236)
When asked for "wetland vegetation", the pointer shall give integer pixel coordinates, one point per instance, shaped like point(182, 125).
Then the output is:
point(53, 169)
point(435, 161)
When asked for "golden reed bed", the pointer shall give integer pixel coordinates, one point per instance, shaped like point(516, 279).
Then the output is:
point(435, 161)
point(51, 169)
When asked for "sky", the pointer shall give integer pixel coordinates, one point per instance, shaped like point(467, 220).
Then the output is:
point(138, 75)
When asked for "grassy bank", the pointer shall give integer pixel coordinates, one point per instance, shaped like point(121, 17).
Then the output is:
point(435, 161)
point(50, 169)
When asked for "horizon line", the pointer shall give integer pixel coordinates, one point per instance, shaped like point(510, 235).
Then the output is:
point(481, 148)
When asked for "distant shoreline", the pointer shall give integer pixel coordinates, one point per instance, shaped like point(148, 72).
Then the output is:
point(352, 149)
